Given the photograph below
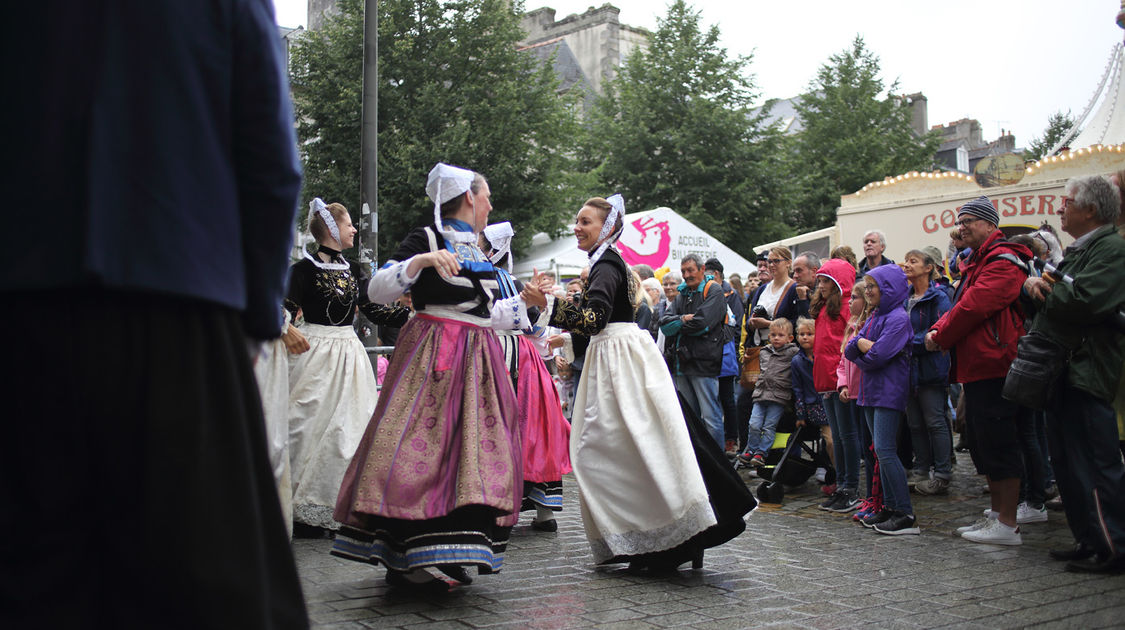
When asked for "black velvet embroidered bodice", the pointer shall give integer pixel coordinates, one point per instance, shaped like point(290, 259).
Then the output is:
point(606, 299)
point(329, 297)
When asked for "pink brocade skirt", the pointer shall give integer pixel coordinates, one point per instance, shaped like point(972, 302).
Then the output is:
point(546, 433)
point(445, 433)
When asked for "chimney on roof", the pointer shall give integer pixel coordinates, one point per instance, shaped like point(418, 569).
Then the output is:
point(919, 112)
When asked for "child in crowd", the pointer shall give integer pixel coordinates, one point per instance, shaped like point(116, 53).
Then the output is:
point(381, 364)
point(564, 383)
point(847, 384)
point(880, 351)
point(807, 402)
point(773, 392)
point(835, 280)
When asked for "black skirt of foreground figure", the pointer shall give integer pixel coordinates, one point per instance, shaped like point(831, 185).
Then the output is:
point(730, 499)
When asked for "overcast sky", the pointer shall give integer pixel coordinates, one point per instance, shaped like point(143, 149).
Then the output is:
point(1009, 64)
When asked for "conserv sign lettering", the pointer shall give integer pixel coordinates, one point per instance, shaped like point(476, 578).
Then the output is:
point(1016, 205)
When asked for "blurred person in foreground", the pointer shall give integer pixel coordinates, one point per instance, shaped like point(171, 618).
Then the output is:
point(161, 162)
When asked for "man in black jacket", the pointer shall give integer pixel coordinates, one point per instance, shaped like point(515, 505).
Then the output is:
point(695, 329)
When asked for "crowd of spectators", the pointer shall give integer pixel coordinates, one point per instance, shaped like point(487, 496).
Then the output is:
point(929, 342)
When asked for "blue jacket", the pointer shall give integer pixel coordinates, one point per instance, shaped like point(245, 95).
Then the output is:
point(156, 148)
point(804, 387)
point(884, 368)
point(804, 391)
point(730, 360)
point(928, 368)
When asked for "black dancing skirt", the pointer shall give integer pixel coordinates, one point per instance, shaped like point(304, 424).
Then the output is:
point(134, 479)
point(730, 499)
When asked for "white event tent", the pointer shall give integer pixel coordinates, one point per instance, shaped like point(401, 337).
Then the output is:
point(656, 238)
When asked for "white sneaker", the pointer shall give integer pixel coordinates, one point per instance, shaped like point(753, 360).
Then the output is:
point(989, 517)
point(995, 533)
point(1027, 514)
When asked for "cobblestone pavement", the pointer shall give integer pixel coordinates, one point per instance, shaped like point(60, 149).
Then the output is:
point(795, 567)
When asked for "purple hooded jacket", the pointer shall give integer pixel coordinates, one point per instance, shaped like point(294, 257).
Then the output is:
point(885, 368)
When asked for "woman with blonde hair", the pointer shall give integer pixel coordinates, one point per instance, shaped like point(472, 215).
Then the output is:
point(642, 303)
point(656, 300)
point(845, 253)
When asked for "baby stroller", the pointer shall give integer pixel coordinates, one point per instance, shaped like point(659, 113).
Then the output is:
point(794, 457)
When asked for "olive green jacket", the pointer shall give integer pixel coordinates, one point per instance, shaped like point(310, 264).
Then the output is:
point(1077, 315)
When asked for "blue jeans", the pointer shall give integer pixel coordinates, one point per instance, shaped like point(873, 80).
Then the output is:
point(845, 441)
point(929, 433)
point(763, 426)
point(1033, 483)
point(702, 393)
point(865, 443)
point(883, 424)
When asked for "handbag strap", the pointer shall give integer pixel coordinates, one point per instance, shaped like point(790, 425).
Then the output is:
point(784, 292)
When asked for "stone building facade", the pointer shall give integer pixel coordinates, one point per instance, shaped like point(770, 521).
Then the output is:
point(317, 9)
point(597, 39)
point(963, 145)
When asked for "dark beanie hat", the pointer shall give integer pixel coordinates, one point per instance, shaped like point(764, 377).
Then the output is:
point(713, 264)
point(980, 208)
point(764, 256)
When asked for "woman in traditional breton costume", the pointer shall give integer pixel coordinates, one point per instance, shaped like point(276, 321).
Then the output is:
point(271, 370)
point(332, 389)
point(545, 432)
point(644, 473)
point(435, 484)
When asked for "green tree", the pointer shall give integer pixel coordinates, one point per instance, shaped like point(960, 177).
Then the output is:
point(675, 129)
point(1058, 125)
point(452, 87)
point(855, 132)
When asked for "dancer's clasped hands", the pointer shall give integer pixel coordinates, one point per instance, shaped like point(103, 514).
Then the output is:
point(534, 290)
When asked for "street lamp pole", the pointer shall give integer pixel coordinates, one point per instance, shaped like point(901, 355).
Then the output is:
point(369, 141)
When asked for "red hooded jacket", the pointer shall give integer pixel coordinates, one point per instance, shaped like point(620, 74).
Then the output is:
point(830, 326)
point(985, 322)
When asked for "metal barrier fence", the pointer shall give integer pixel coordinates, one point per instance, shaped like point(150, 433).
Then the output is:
point(372, 353)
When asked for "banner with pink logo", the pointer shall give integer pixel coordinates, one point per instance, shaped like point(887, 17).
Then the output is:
point(656, 238)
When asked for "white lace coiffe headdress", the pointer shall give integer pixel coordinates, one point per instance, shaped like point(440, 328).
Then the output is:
point(499, 236)
point(317, 207)
point(444, 183)
point(608, 235)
